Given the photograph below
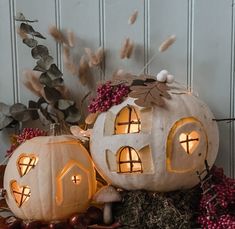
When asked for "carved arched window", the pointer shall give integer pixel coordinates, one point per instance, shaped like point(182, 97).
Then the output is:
point(129, 161)
point(127, 121)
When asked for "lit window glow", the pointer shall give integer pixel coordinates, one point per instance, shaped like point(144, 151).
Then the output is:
point(21, 193)
point(76, 179)
point(189, 141)
point(127, 121)
point(26, 163)
point(129, 161)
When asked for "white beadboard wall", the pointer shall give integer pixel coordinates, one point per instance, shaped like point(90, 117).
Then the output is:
point(202, 58)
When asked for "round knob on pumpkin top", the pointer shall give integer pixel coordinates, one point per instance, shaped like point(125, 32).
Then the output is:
point(170, 78)
point(162, 76)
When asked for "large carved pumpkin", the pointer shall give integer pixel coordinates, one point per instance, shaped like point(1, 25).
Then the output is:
point(157, 148)
point(49, 178)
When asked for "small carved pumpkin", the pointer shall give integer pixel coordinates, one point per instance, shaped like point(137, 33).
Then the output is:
point(156, 148)
point(49, 178)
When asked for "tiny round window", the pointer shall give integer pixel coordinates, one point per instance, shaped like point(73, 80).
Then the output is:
point(129, 161)
point(127, 121)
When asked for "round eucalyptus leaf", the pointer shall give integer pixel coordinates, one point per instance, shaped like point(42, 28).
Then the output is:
point(45, 79)
point(54, 72)
point(5, 109)
point(43, 118)
point(5, 121)
point(37, 34)
point(26, 28)
point(30, 42)
point(64, 104)
point(19, 112)
point(73, 116)
point(39, 52)
point(20, 16)
point(53, 112)
point(52, 94)
point(45, 62)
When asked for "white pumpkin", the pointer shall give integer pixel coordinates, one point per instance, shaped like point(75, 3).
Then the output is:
point(49, 178)
point(157, 148)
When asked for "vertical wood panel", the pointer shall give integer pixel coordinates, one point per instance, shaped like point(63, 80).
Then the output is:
point(212, 65)
point(116, 29)
point(6, 66)
point(166, 18)
point(44, 11)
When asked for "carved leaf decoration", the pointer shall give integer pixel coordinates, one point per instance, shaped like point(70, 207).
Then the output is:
point(150, 94)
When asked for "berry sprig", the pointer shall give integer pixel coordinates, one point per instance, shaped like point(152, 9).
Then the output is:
point(222, 215)
point(107, 96)
point(27, 133)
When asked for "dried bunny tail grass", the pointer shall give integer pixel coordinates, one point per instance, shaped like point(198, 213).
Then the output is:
point(133, 17)
point(31, 81)
point(127, 48)
point(167, 43)
point(21, 33)
point(130, 49)
point(71, 38)
point(66, 54)
point(84, 70)
point(95, 59)
point(57, 35)
point(72, 68)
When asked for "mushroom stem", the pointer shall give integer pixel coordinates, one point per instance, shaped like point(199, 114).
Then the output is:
point(107, 215)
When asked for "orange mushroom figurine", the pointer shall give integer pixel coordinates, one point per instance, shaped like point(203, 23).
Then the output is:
point(107, 195)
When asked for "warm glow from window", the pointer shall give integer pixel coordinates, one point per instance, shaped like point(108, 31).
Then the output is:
point(189, 141)
point(127, 121)
point(21, 194)
point(129, 161)
point(76, 179)
point(26, 163)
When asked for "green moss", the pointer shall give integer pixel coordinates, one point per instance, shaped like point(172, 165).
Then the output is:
point(142, 209)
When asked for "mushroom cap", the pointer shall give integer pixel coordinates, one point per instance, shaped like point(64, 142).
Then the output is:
point(107, 194)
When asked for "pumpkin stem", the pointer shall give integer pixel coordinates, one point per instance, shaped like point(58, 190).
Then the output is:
point(59, 128)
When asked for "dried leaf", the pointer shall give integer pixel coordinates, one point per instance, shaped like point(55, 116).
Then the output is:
point(150, 94)
point(91, 118)
point(84, 70)
point(127, 48)
point(122, 77)
point(54, 113)
point(57, 35)
point(71, 38)
point(30, 42)
point(167, 43)
point(50, 82)
point(133, 17)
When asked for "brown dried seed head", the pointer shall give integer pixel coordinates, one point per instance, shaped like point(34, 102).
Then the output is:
point(167, 43)
point(133, 17)
point(84, 70)
point(57, 35)
point(126, 49)
point(71, 38)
